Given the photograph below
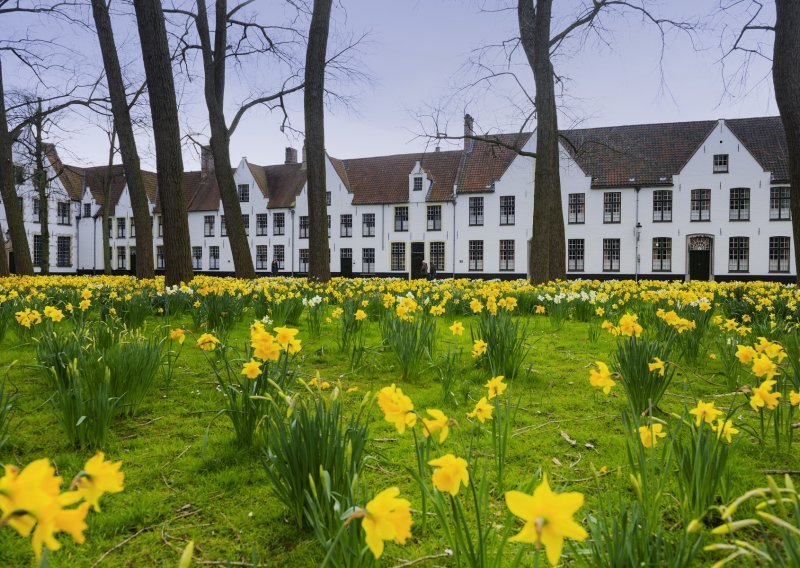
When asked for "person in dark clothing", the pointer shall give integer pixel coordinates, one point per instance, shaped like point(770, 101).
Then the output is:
point(432, 272)
point(423, 271)
point(275, 267)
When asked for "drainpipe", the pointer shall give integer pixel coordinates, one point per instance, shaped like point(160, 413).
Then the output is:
point(637, 233)
point(292, 212)
point(454, 234)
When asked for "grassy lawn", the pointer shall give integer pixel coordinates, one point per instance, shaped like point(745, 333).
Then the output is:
point(186, 478)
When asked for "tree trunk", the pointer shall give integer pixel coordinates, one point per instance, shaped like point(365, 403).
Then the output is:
point(214, 67)
point(787, 93)
point(145, 267)
point(107, 223)
point(167, 137)
point(547, 253)
point(8, 193)
point(40, 185)
point(319, 265)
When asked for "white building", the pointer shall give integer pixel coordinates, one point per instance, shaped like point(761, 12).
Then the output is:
point(680, 200)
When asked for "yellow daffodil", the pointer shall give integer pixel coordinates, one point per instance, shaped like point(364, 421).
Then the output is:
point(397, 408)
point(360, 315)
point(763, 396)
point(457, 328)
point(482, 411)
point(725, 430)
point(450, 474)
point(178, 335)
point(763, 366)
point(496, 386)
point(207, 342)
point(386, 517)
point(601, 377)
point(548, 518)
point(650, 434)
point(479, 348)
point(704, 412)
point(437, 423)
point(794, 398)
point(98, 478)
point(251, 369)
point(657, 365)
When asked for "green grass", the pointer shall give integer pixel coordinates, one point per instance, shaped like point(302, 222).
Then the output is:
point(220, 498)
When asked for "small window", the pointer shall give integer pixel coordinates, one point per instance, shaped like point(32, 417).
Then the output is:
point(434, 217)
point(64, 252)
point(401, 219)
point(739, 254)
point(261, 224)
point(262, 257)
point(779, 254)
point(303, 227)
point(160, 257)
point(476, 255)
point(662, 254)
point(577, 208)
point(223, 227)
point(208, 225)
point(507, 209)
point(662, 206)
point(506, 255)
point(328, 198)
point(346, 221)
point(701, 205)
point(368, 225)
point(612, 207)
point(720, 163)
point(161, 225)
point(417, 183)
point(35, 207)
point(779, 204)
point(279, 255)
point(611, 255)
point(279, 224)
point(121, 223)
point(133, 228)
point(64, 213)
point(436, 255)
point(37, 250)
point(398, 256)
point(575, 248)
point(303, 260)
point(87, 209)
point(213, 257)
point(476, 211)
point(197, 258)
point(244, 193)
point(246, 223)
point(368, 260)
point(121, 253)
point(740, 204)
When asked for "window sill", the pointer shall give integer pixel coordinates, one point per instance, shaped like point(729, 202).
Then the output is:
point(699, 220)
point(662, 220)
point(739, 220)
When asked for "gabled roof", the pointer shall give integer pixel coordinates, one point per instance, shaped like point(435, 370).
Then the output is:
point(765, 139)
point(261, 179)
point(384, 179)
point(96, 178)
point(69, 176)
point(284, 184)
point(486, 163)
point(636, 155)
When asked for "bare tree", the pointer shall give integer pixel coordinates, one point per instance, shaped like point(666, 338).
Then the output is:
point(167, 137)
point(786, 54)
point(123, 127)
point(319, 265)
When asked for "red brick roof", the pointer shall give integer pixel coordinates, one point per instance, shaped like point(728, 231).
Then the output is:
point(642, 154)
point(765, 139)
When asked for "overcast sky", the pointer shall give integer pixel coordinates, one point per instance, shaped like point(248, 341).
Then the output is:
point(417, 57)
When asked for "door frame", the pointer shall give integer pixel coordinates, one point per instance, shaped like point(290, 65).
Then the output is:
point(688, 248)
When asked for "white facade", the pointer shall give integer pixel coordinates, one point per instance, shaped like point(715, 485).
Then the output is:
point(735, 216)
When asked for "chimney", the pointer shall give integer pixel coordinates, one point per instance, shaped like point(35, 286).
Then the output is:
point(304, 156)
point(438, 149)
point(291, 155)
point(206, 160)
point(469, 130)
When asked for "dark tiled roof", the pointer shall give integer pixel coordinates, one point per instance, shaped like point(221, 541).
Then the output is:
point(70, 176)
point(765, 139)
point(487, 162)
point(96, 178)
point(648, 154)
point(261, 179)
point(384, 179)
point(284, 184)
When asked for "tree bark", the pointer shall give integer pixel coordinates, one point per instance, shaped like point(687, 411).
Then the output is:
point(214, 67)
point(547, 252)
point(8, 193)
point(145, 267)
point(786, 80)
point(319, 265)
point(167, 138)
point(107, 226)
point(40, 185)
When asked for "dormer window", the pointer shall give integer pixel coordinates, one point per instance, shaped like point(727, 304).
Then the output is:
point(720, 163)
point(87, 209)
point(417, 183)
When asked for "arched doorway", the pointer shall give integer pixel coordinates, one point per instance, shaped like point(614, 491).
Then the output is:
point(699, 257)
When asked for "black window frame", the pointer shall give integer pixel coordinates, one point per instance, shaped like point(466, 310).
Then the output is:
point(780, 261)
point(302, 225)
point(612, 252)
point(213, 257)
point(576, 255)
point(122, 258)
point(416, 184)
point(721, 163)
point(662, 254)
point(279, 254)
point(64, 213)
point(401, 219)
point(476, 211)
point(209, 225)
point(60, 258)
point(739, 204)
point(739, 254)
point(197, 259)
point(612, 207)
point(302, 260)
point(576, 209)
point(662, 206)
point(278, 224)
point(508, 210)
point(243, 191)
point(780, 203)
point(262, 257)
point(367, 229)
point(700, 199)
point(246, 223)
point(122, 227)
point(398, 256)
point(507, 261)
point(368, 260)
point(434, 215)
point(436, 257)
point(346, 225)
point(476, 256)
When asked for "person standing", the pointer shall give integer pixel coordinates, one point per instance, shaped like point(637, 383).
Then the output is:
point(275, 267)
point(423, 271)
point(432, 272)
